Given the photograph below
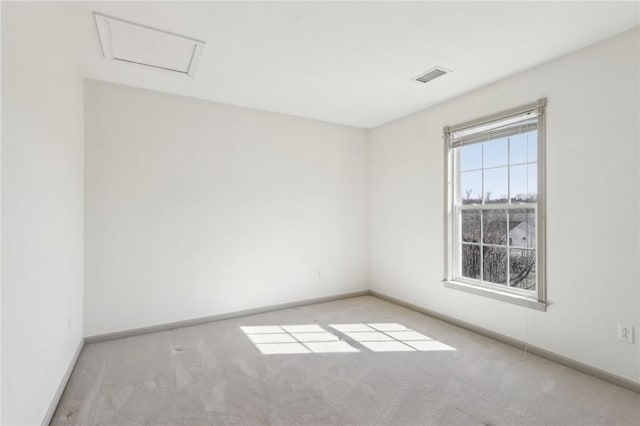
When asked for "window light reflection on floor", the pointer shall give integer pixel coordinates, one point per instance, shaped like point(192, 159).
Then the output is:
point(390, 337)
point(312, 338)
point(295, 339)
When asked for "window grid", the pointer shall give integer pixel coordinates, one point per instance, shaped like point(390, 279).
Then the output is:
point(508, 246)
point(481, 244)
point(525, 163)
point(508, 166)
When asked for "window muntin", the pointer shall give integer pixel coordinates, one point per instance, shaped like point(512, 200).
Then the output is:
point(495, 206)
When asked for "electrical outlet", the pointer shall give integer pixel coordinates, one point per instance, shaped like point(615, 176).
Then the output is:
point(625, 333)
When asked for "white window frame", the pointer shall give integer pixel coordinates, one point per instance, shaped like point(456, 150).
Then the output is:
point(453, 279)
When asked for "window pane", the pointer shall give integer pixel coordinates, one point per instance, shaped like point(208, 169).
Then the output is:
point(523, 183)
point(495, 186)
point(471, 187)
point(471, 157)
point(495, 264)
point(532, 182)
point(518, 184)
point(522, 228)
point(523, 269)
point(470, 261)
point(532, 146)
point(518, 148)
point(494, 226)
point(471, 226)
point(495, 153)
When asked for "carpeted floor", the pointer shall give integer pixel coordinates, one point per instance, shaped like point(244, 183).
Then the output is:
point(359, 361)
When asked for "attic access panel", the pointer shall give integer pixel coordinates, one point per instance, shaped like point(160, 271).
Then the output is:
point(139, 44)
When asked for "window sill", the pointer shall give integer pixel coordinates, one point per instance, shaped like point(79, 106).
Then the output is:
point(497, 294)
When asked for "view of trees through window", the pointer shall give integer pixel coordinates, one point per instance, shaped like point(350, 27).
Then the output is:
point(497, 196)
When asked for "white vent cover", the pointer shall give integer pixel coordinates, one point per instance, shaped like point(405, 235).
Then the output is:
point(129, 42)
point(431, 74)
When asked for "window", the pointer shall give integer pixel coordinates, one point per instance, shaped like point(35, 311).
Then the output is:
point(495, 206)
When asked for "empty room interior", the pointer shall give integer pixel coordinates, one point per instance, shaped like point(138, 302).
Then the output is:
point(320, 213)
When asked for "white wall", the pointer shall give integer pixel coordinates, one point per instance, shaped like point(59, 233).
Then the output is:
point(593, 195)
point(195, 208)
point(0, 225)
point(42, 208)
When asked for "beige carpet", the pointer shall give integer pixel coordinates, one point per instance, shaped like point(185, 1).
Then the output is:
point(359, 361)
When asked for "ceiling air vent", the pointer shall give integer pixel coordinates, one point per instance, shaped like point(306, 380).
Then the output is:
point(431, 74)
point(129, 42)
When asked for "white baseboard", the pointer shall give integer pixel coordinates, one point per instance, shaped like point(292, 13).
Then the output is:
point(195, 321)
point(63, 384)
point(552, 356)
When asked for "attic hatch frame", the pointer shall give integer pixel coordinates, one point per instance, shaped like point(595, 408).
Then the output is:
point(104, 34)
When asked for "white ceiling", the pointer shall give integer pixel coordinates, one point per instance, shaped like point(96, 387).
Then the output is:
point(349, 63)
